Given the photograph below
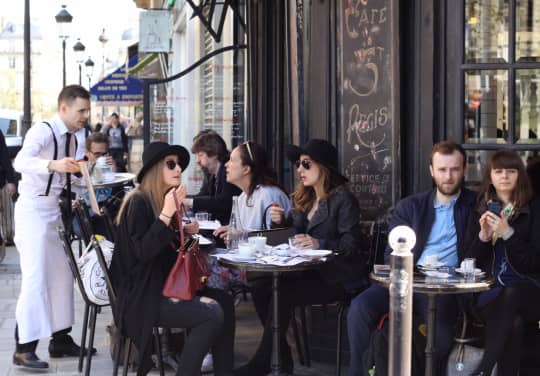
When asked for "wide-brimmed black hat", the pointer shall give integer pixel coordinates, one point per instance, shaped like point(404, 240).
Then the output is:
point(321, 151)
point(156, 151)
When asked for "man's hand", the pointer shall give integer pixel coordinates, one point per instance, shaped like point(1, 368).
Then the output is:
point(67, 164)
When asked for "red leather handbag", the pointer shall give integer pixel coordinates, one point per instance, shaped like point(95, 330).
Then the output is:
point(190, 270)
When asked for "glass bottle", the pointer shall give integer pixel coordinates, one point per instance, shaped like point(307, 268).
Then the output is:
point(233, 230)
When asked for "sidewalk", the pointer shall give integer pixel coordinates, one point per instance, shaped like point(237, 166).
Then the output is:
point(248, 332)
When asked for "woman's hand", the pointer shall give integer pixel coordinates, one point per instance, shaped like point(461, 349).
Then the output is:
point(499, 225)
point(221, 232)
point(169, 205)
point(191, 228)
point(486, 232)
point(276, 213)
point(304, 241)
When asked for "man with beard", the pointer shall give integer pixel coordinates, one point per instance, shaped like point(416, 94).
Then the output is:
point(215, 196)
point(439, 219)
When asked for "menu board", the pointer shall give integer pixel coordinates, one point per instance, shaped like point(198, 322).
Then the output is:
point(368, 91)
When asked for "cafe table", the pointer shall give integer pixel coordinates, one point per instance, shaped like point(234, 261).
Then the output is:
point(262, 266)
point(433, 286)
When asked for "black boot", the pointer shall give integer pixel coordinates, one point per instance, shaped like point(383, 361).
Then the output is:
point(61, 346)
point(29, 360)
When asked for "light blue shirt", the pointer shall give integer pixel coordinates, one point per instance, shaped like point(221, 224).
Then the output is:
point(442, 239)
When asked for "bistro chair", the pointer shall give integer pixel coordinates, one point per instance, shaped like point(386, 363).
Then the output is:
point(90, 310)
point(124, 341)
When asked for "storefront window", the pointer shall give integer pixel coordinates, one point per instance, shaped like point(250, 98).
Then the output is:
point(486, 31)
point(527, 106)
point(486, 93)
point(528, 30)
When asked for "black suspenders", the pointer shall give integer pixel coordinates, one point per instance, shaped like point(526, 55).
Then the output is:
point(54, 158)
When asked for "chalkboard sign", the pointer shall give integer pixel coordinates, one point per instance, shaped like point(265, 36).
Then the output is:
point(368, 85)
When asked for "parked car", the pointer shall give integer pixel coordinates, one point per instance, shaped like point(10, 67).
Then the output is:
point(11, 126)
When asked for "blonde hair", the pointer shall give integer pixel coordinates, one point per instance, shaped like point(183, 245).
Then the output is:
point(152, 187)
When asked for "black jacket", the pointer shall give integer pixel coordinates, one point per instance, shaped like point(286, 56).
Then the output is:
point(336, 225)
point(215, 196)
point(522, 249)
point(417, 212)
point(142, 259)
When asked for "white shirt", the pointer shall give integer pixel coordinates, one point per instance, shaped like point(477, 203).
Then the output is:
point(81, 144)
point(36, 154)
point(252, 210)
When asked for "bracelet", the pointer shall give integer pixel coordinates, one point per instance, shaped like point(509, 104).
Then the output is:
point(165, 215)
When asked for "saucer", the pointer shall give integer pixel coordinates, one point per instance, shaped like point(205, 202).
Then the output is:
point(433, 266)
point(316, 253)
point(244, 258)
point(477, 271)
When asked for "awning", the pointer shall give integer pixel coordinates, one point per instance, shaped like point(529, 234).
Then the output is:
point(118, 89)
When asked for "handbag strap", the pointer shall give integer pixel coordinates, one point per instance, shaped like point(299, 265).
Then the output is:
point(263, 222)
point(179, 220)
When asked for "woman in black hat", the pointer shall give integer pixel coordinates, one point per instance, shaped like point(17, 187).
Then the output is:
point(143, 256)
point(326, 216)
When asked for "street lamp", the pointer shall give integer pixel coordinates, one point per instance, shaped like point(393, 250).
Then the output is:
point(79, 48)
point(63, 19)
point(103, 40)
point(89, 64)
point(89, 68)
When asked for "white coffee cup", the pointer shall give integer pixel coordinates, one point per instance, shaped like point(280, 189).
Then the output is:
point(259, 242)
point(246, 250)
point(431, 259)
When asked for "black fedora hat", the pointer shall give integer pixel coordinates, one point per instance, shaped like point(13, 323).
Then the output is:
point(321, 151)
point(156, 151)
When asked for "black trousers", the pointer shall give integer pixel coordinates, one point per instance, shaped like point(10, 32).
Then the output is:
point(301, 289)
point(31, 346)
point(504, 318)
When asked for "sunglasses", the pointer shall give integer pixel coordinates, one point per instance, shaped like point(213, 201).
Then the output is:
point(306, 164)
point(171, 165)
point(249, 150)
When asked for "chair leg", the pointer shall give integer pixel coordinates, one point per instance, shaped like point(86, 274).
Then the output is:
point(126, 357)
point(159, 355)
point(341, 310)
point(305, 336)
point(117, 352)
point(83, 336)
point(93, 319)
point(299, 344)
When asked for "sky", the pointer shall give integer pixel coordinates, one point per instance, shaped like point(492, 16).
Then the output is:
point(89, 19)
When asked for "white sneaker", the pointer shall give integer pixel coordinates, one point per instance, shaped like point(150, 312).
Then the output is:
point(207, 363)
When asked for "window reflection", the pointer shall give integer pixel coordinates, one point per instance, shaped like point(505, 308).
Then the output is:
point(527, 106)
point(486, 103)
point(486, 31)
point(528, 30)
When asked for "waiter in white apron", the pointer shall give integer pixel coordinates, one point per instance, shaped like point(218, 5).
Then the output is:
point(45, 305)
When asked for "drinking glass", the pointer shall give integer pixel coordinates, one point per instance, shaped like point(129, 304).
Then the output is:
point(201, 216)
point(468, 265)
point(292, 243)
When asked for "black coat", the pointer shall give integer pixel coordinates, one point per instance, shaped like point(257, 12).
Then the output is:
point(142, 259)
point(336, 224)
point(215, 196)
point(522, 249)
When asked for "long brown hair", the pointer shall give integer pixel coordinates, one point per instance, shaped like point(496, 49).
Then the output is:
point(304, 197)
point(506, 159)
point(152, 187)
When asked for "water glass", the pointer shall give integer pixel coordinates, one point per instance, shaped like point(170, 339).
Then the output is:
point(201, 216)
point(292, 243)
point(468, 265)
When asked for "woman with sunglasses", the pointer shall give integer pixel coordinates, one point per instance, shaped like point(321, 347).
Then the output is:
point(249, 170)
point(326, 216)
point(145, 252)
point(505, 240)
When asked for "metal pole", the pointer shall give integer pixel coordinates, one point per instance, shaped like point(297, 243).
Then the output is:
point(63, 62)
point(401, 292)
point(27, 108)
point(80, 75)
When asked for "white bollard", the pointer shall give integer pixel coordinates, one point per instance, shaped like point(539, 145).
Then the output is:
point(401, 239)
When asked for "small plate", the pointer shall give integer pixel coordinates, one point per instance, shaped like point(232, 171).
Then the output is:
point(244, 258)
point(315, 253)
point(477, 271)
point(432, 266)
point(436, 274)
point(282, 252)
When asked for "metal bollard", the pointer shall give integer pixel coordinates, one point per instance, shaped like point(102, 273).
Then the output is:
point(401, 239)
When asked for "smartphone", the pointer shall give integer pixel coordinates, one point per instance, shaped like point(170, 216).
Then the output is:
point(494, 207)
